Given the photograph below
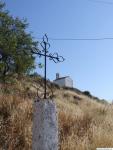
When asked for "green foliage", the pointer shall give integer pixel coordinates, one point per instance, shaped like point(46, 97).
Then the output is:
point(87, 93)
point(16, 45)
point(40, 65)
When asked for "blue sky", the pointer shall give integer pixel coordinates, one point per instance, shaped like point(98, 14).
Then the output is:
point(89, 63)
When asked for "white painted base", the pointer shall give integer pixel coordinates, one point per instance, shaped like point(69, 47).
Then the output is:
point(45, 126)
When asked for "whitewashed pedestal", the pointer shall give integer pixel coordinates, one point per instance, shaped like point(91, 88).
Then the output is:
point(45, 125)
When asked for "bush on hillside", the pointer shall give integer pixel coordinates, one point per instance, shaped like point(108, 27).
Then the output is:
point(87, 93)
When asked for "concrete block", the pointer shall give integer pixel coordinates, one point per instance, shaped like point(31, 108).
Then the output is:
point(45, 126)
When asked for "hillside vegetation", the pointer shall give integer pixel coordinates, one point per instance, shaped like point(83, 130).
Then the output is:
point(84, 123)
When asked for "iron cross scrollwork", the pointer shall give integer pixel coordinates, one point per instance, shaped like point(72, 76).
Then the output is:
point(52, 56)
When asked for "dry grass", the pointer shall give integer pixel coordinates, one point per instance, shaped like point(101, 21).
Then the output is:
point(15, 123)
point(84, 124)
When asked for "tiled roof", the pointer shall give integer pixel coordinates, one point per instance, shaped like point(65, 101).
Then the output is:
point(61, 78)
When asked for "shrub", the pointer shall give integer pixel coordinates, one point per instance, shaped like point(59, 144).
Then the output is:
point(87, 93)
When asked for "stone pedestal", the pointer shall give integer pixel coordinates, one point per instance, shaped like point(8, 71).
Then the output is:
point(45, 126)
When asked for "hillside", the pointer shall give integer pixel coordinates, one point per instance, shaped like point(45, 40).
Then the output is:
point(85, 122)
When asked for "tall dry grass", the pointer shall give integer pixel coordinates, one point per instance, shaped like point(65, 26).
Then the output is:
point(15, 123)
point(84, 124)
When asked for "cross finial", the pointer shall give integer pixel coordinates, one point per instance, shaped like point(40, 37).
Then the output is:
point(54, 57)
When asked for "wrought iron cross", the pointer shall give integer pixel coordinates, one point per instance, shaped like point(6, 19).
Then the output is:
point(54, 57)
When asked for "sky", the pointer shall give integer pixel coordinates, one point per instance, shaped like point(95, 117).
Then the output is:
point(88, 63)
